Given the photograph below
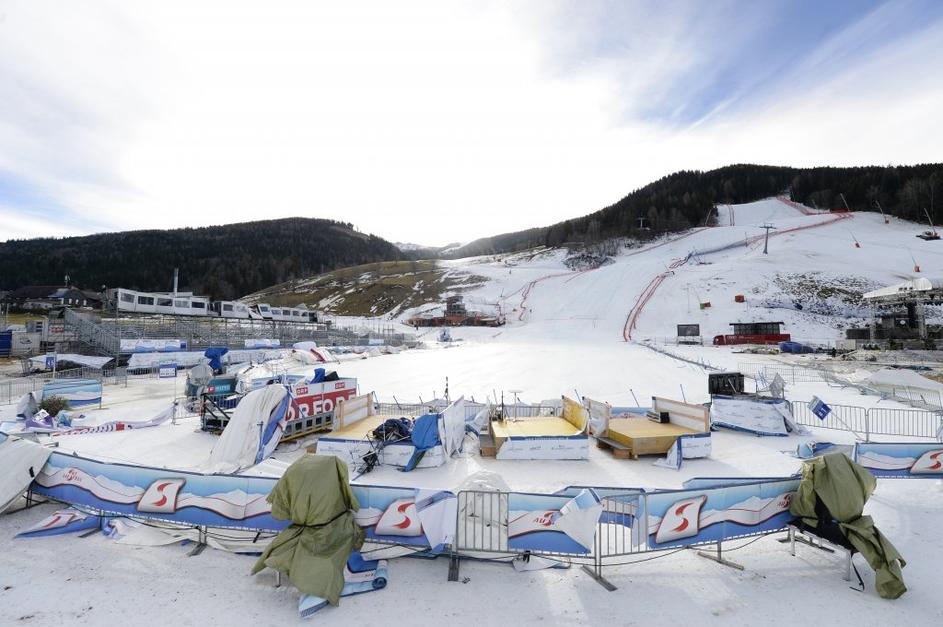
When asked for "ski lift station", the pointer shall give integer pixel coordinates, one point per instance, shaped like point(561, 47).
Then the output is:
point(913, 297)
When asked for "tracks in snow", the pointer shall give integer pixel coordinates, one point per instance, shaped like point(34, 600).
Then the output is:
point(527, 287)
point(632, 319)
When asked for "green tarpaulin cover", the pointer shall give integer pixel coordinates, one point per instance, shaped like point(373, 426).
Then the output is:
point(844, 487)
point(315, 495)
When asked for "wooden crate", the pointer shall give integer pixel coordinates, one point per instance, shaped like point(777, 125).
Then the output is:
point(619, 451)
point(486, 445)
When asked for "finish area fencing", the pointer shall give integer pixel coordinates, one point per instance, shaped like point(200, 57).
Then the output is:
point(502, 526)
point(12, 389)
point(865, 423)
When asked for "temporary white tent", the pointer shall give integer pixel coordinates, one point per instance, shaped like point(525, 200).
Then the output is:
point(903, 378)
point(92, 361)
point(906, 383)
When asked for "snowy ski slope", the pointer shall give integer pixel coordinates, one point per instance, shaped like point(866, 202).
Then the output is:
point(661, 284)
point(565, 335)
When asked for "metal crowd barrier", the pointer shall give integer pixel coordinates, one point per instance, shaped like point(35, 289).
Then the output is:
point(874, 421)
point(482, 525)
point(12, 389)
point(521, 411)
point(790, 374)
point(405, 409)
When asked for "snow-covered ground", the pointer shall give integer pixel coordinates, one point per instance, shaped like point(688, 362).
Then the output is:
point(812, 260)
point(565, 336)
point(65, 580)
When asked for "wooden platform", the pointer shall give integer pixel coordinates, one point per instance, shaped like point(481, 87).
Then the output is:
point(548, 427)
point(644, 437)
point(533, 427)
point(362, 428)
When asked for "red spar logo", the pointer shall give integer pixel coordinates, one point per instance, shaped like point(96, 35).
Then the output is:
point(406, 522)
point(55, 520)
point(679, 511)
point(937, 464)
point(545, 519)
point(71, 476)
point(163, 497)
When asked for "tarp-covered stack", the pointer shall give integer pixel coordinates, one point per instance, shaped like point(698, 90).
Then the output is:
point(843, 487)
point(315, 495)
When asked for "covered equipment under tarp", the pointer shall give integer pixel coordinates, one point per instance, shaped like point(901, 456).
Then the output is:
point(425, 435)
point(315, 495)
point(833, 491)
point(244, 442)
point(215, 355)
point(20, 462)
point(28, 405)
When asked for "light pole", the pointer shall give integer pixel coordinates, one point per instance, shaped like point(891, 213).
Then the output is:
point(766, 226)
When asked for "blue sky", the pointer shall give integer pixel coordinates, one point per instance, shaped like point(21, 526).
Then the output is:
point(437, 121)
point(728, 50)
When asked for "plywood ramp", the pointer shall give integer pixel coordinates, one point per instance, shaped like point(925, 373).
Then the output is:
point(362, 428)
point(534, 427)
point(645, 437)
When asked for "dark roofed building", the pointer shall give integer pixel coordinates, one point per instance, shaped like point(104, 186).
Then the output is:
point(45, 297)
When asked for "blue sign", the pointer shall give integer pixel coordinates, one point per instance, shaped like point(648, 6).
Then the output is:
point(50, 362)
point(820, 409)
point(167, 370)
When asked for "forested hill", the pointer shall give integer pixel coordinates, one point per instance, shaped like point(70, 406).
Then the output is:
point(223, 262)
point(685, 199)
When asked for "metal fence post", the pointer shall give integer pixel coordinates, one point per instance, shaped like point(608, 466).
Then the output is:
point(596, 571)
point(719, 557)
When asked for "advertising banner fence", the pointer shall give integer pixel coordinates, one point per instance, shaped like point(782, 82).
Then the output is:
point(78, 392)
point(262, 343)
point(143, 345)
point(714, 514)
point(919, 460)
point(589, 525)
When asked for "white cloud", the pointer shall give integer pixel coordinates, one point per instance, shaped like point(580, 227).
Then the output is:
point(428, 122)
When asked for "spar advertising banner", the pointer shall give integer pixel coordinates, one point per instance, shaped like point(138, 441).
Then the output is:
point(142, 345)
point(923, 460)
point(262, 343)
point(78, 392)
point(405, 516)
point(699, 483)
point(424, 519)
point(67, 520)
point(622, 510)
point(711, 514)
point(553, 523)
point(170, 495)
point(320, 398)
